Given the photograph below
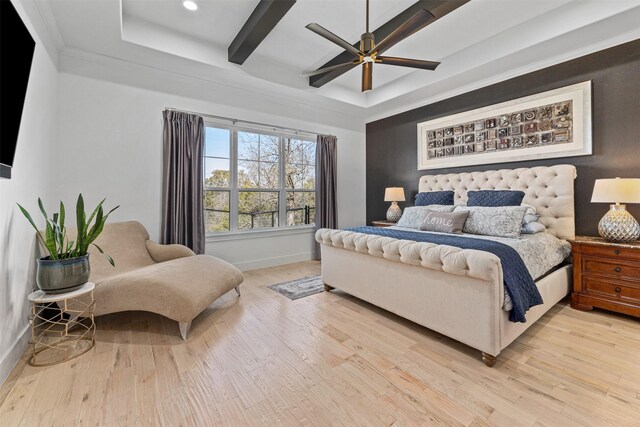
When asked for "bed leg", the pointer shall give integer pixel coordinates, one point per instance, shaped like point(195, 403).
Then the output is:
point(488, 359)
point(328, 288)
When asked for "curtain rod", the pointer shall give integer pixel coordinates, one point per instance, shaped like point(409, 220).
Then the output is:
point(234, 121)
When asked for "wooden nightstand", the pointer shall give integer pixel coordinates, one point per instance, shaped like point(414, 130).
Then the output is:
point(606, 275)
point(383, 223)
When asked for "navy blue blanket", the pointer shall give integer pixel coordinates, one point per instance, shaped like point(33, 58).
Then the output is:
point(517, 281)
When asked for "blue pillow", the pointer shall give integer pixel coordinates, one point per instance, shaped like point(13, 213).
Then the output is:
point(435, 198)
point(495, 198)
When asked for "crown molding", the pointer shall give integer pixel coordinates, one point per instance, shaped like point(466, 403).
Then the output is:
point(199, 84)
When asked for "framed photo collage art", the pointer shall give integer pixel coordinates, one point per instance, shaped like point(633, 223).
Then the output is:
point(555, 123)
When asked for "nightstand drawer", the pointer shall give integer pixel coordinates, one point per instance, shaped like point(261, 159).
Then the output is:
point(610, 268)
point(611, 289)
point(613, 252)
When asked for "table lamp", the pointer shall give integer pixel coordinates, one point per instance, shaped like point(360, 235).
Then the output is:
point(394, 195)
point(617, 225)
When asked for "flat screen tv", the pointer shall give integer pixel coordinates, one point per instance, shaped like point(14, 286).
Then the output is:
point(16, 55)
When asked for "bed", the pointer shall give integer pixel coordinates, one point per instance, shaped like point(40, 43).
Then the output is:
point(457, 292)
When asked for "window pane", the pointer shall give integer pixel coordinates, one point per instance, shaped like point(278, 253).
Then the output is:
point(217, 142)
point(248, 174)
point(216, 221)
point(216, 204)
point(269, 149)
point(257, 209)
point(300, 208)
point(258, 174)
point(299, 177)
point(269, 175)
point(293, 175)
point(216, 200)
point(293, 149)
point(309, 178)
point(248, 146)
point(216, 172)
point(309, 153)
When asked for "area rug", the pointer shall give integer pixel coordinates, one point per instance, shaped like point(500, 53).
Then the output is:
point(300, 288)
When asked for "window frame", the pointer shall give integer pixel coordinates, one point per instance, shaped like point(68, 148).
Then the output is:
point(234, 191)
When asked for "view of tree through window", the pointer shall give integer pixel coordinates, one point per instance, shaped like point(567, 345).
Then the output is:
point(217, 175)
point(257, 180)
point(300, 180)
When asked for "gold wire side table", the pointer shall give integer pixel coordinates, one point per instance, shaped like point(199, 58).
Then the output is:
point(68, 334)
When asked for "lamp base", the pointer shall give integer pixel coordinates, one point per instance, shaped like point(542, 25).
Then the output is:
point(618, 225)
point(394, 212)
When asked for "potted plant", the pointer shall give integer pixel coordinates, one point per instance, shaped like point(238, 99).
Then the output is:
point(67, 265)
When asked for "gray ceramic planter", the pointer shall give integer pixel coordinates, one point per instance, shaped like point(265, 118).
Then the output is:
point(62, 275)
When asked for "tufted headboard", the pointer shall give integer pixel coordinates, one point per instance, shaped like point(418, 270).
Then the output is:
point(548, 188)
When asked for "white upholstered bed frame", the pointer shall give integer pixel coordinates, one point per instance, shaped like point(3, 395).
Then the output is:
point(456, 292)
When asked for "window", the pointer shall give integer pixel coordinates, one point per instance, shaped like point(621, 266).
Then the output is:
point(255, 179)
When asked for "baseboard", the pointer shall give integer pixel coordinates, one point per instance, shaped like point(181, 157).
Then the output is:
point(11, 357)
point(274, 261)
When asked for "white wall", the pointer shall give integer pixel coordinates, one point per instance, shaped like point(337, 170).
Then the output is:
point(31, 179)
point(110, 145)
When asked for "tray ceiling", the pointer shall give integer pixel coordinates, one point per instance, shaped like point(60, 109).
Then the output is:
point(483, 38)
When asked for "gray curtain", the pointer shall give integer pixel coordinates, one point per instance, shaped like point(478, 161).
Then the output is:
point(182, 209)
point(326, 175)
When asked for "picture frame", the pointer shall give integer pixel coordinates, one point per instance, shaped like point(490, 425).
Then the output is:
point(552, 124)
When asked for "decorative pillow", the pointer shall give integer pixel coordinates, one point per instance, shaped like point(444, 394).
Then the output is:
point(530, 218)
point(413, 216)
point(435, 198)
point(530, 209)
point(444, 222)
point(501, 221)
point(494, 198)
point(532, 228)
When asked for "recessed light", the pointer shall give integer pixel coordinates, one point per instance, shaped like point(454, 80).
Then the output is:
point(190, 5)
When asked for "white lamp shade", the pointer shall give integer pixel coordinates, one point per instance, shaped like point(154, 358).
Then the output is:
point(616, 190)
point(394, 194)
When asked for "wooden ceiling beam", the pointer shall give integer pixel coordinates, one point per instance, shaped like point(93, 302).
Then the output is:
point(438, 9)
point(262, 20)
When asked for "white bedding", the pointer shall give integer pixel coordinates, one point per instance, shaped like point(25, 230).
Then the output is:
point(541, 252)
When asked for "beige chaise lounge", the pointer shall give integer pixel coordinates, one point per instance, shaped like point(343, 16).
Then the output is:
point(169, 280)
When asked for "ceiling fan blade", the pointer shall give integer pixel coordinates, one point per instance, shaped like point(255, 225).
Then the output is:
point(418, 21)
point(367, 76)
point(321, 31)
point(406, 62)
point(350, 64)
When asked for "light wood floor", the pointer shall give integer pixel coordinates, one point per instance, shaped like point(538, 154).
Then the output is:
point(330, 359)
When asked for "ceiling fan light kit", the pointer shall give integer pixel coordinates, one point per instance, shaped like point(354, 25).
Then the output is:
point(370, 52)
point(190, 5)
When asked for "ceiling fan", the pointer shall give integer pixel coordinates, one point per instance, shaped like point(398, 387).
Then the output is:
point(370, 52)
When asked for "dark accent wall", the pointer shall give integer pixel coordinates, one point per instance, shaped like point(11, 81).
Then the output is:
point(392, 142)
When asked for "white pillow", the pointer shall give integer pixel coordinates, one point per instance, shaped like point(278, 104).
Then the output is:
point(533, 228)
point(500, 221)
point(529, 214)
point(413, 216)
point(530, 209)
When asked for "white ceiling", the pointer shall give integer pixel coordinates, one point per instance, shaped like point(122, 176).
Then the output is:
point(481, 42)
